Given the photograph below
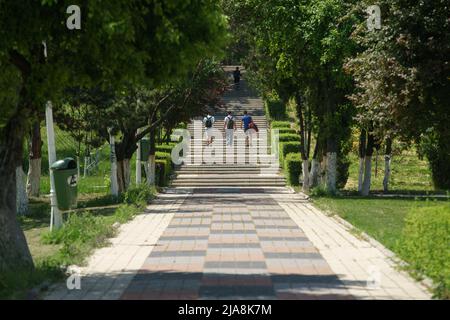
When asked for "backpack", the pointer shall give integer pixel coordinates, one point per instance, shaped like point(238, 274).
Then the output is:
point(230, 123)
point(208, 122)
point(253, 126)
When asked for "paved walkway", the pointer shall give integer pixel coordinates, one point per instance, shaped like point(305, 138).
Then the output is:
point(238, 243)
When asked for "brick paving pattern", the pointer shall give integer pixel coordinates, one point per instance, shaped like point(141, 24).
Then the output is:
point(233, 246)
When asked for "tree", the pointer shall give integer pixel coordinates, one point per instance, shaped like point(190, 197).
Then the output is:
point(305, 44)
point(402, 78)
point(120, 42)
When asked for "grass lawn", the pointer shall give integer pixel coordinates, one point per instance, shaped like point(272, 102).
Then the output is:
point(409, 174)
point(383, 219)
point(85, 229)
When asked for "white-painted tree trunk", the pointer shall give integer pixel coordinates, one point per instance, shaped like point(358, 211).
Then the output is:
point(34, 177)
point(21, 195)
point(360, 174)
point(151, 176)
point(86, 164)
point(387, 172)
point(367, 176)
point(305, 172)
point(78, 167)
point(113, 160)
point(56, 219)
point(331, 172)
point(138, 163)
point(314, 174)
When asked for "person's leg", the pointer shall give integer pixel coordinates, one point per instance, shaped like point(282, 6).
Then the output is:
point(207, 136)
point(229, 137)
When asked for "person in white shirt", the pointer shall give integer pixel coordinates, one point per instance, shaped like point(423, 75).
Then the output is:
point(208, 122)
point(229, 126)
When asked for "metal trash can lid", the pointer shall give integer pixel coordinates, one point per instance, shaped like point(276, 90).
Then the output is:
point(65, 164)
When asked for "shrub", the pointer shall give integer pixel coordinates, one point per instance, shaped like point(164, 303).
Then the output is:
point(288, 147)
point(162, 170)
point(425, 244)
point(287, 131)
point(293, 168)
point(280, 124)
point(342, 171)
point(139, 194)
point(164, 156)
point(79, 235)
point(167, 148)
point(275, 108)
point(289, 137)
point(435, 146)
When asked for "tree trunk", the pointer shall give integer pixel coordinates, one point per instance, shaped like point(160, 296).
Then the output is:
point(35, 160)
point(314, 175)
point(331, 172)
point(151, 177)
point(21, 196)
point(387, 164)
point(368, 166)
point(305, 171)
point(315, 166)
point(14, 252)
point(151, 170)
point(123, 174)
point(303, 147)
point(362, 153)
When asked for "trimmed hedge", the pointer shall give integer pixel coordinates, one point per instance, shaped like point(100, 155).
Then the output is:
point(275, 108)
point(165, 147)
point(425, 244)
point(287, 131)
point(293, 168)
point(280, 124)
point(163, 156)
point(289, 137)
point(163, 170)
point(286, 148)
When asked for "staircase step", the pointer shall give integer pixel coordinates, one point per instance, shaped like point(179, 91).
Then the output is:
point(230, 184)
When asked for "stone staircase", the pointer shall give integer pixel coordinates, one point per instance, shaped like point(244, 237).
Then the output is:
point(245, 170)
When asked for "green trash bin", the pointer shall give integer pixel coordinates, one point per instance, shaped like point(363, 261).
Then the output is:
point(145, 148)
point(65, 175)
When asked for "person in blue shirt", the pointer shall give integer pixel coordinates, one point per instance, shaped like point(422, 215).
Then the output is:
point(245, 124)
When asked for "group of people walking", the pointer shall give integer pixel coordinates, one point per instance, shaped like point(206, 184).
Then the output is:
point(229, 127)
point(229, 124)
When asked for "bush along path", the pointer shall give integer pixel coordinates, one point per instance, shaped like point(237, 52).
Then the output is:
point(235, 241)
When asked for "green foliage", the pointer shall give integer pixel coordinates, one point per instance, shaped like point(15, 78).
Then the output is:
point(288, 137)
point(437, 150)
point(342, 172)
point(280, 124)
point(139, 194)
point(83, 232)
point(163, 156)
point(288, 147)
point(163, 171)
point(167, 148)
point(425, 245)
point(401, 76)
point(14, 284)
point(287, 130)
point(79, 235)
point(275, 108)
point(293, 168)
point(319, 191)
